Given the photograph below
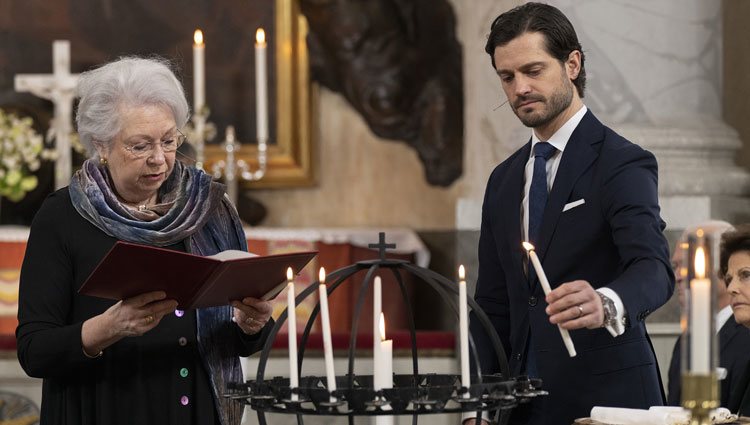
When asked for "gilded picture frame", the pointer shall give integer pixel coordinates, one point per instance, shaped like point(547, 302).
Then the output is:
point(289, 162)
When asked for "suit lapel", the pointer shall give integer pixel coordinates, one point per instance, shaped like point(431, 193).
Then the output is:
point(512, 195)
point(577, 158)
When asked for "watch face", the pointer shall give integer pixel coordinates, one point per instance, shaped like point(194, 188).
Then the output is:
point(610, 315)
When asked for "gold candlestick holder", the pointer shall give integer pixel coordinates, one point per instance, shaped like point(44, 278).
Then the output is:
point(700, 383)
point(700, 395)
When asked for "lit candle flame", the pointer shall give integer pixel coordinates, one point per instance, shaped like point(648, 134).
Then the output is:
point(289, 274)
point(198, 37)
point(381, 326)
point(461, 272)
point(260, 37)
point(527, 246)
point(322, 275)
point(700, 263)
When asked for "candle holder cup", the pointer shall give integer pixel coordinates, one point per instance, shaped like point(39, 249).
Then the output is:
point(412, 394)
point(699, 347)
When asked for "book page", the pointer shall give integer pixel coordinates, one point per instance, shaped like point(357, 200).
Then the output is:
point(232, 254)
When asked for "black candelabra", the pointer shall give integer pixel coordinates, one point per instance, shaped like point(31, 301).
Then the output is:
point(412, 394)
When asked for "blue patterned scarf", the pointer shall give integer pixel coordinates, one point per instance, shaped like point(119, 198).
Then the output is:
point(193, 210)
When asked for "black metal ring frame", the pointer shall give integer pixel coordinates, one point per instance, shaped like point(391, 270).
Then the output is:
point(413, 394)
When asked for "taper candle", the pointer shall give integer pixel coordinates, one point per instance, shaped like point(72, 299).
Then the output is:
point(291, 306)
point(261, 85)
point(199, 76)
point(326, 323)
point(463, 324)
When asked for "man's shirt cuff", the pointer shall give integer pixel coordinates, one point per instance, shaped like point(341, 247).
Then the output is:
point(619, 327)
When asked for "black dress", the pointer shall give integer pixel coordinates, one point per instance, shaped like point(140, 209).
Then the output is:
point(739, 401)
point(157, 378)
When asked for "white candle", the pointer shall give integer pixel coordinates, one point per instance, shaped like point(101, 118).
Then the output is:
point(383, 370)
point(546, 288)
point(261, 83)
point(291, 306)
point(199, 82)
point(463, 324)
point(377, 309)
point(326, 322)
point(700, 317)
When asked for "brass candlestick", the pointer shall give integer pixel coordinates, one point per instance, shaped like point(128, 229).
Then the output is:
point(700, 395)
point(700, 388)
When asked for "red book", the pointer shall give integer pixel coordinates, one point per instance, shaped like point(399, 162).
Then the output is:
point(194, 281)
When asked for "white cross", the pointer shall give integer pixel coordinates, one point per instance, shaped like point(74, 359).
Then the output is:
point(60, 88)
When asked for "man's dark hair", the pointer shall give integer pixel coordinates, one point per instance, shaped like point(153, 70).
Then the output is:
point(560, 36)
point(731, 243)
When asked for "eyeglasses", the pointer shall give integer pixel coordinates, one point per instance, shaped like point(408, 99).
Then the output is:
point(146, 149)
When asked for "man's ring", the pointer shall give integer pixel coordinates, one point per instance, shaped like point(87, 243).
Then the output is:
point(249, 321)
point(580, 310)
point(149, 318)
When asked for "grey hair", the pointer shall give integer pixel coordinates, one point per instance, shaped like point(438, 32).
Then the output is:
point(127, 81)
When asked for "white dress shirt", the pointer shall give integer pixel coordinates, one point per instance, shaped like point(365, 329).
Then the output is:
point(722, 316)
point(559, 140)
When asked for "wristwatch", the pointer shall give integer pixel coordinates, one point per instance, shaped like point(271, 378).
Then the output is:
point(610, 312)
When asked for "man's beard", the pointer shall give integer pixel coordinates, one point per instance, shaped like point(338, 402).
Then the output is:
point(559, 101)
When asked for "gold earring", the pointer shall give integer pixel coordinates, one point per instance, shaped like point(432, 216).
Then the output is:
point(103, 161)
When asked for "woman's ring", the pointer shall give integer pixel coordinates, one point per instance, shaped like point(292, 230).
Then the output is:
point(580, 310)
point(149, 318)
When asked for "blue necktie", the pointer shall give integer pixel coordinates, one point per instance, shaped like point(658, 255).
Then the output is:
point(538, 195)
point(538, 192)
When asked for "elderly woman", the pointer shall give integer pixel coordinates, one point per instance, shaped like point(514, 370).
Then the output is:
point(139, 360)
point(734, 264)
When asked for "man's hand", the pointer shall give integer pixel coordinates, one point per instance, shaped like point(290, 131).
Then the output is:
point(575, 305)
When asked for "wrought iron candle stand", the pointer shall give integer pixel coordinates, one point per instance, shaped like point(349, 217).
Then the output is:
point(412, 394)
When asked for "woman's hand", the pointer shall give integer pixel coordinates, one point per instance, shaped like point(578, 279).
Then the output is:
point(251, 314)
point(130, 317)
point(137, 315)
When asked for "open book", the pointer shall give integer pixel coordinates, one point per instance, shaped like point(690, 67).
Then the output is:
point(194, 281)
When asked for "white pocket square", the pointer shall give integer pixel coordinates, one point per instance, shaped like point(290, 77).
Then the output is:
point(571, 205)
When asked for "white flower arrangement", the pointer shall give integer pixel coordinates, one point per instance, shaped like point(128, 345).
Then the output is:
point(21, 149)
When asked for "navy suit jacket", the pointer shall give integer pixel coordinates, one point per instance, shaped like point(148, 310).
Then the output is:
point(613, 239)
point(734, 355)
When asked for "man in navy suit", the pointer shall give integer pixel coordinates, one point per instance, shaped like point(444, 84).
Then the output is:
point(587, 199)
point(734, 339)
